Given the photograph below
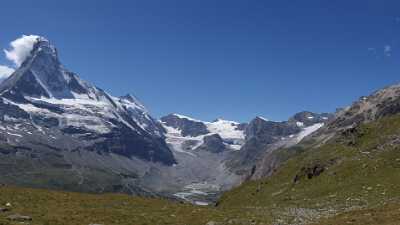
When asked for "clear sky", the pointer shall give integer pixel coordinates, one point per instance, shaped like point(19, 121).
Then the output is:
point(220, 58)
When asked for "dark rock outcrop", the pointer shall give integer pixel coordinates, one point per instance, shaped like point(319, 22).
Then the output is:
point(187, 126)
point(213, 143)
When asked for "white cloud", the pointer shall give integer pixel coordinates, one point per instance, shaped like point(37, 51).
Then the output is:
point(21, 48)
point(387, 50)
point(5, 72)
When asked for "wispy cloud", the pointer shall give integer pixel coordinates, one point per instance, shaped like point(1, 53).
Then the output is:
point(387, 50)
point(21, 48)
point(5, 72)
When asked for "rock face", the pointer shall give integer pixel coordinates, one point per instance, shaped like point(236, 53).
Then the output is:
point(382, 103)
point(263, 137)
point(188, 126)
point(213, 143)
point(266, 132)
point(19, 218)
point(309, 118)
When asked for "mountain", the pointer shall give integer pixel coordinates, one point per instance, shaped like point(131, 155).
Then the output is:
point(58, 124)
point(193, 132)
point(263, 137)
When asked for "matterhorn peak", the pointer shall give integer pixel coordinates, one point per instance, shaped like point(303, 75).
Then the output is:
point(40, 73)
point(22, 48)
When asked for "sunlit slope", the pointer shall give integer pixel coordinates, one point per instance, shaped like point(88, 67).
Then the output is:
point(359, 168)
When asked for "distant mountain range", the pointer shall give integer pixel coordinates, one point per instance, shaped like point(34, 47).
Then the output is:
point(58, 131)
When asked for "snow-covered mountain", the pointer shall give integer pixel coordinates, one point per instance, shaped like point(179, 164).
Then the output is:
point(263, 136)
point(58, 125)
point(186, 134)
point(57, 103)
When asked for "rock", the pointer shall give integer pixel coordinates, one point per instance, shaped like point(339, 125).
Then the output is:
point(187, 126)
point(309, 172)
point(213, 143)
point(4, 209)
point(19, 218)
point(212, 223)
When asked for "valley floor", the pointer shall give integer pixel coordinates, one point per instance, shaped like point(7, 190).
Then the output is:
point(47, 207)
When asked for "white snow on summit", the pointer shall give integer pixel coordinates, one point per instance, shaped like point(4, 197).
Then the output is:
point(186, 117)
point(226, 129)
point(262, 118)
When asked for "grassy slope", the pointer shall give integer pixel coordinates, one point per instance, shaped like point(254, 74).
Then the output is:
point(57, 208)
point(48, 207)
point(386, 215)
point(363, 175)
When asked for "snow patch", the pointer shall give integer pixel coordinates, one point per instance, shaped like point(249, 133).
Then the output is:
point(262, 118)
point(308, 130)
point(186, 117)
point(226, 129)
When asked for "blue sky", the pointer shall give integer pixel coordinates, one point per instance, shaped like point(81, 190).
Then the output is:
point(221, 58)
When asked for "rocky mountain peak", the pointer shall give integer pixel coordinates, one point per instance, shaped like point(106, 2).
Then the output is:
point(41, 75)
point(306, 118)
point(41, 49)
point(133, 102)
point(381, 103)
point(52, 101)
point(129, 98)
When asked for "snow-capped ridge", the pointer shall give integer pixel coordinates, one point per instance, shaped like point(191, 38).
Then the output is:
point(132, 101)
point(262, 118)
point(186, 117)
